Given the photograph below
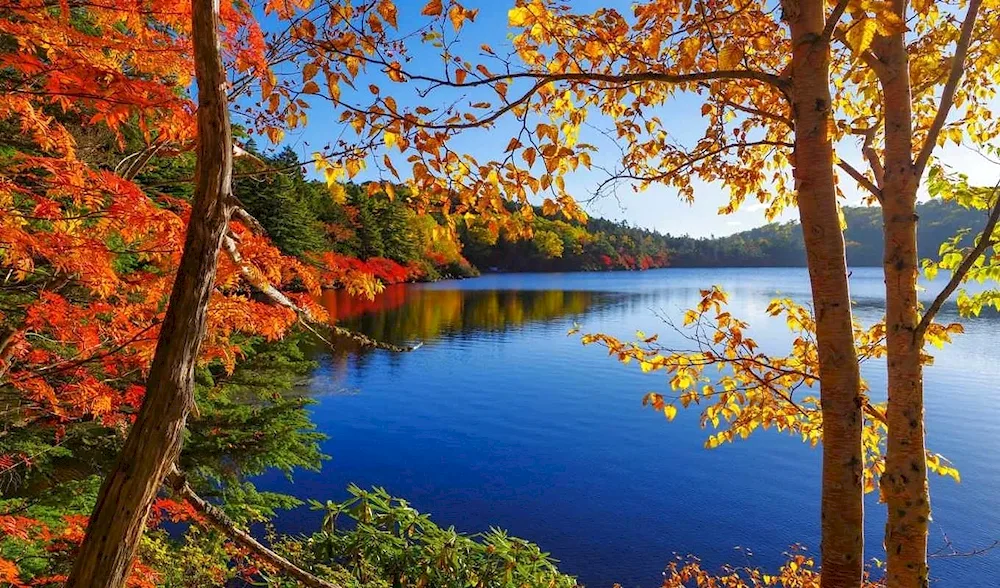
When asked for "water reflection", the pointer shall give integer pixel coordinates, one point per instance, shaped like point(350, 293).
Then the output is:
point(501, 419)
point(406, 313)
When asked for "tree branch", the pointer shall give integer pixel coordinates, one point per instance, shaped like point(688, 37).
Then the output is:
point(985, 241)
point(950, 87)
point(306, 318)
point(866, 56)
point(218, 519)
point(860, 178)
point(833, 19)
point(544, 78)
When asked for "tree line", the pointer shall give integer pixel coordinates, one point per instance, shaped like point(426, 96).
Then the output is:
point(781, 244)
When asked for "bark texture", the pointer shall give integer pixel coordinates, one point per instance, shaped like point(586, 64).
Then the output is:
point(842, 544)
point(154, 442)
point(904, 483)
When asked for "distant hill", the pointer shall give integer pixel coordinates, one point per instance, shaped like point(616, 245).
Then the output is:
point(780, 244)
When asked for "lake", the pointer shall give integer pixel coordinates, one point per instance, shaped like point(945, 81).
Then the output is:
point(502, 419)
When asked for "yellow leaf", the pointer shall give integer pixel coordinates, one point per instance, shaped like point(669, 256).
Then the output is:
point(690, 48)
point(353, 65)
point(274, 134)
point(669, 411)
point(518, 16)
point(861, 34)
point(529, 156)
point(309, 71)
point(338, 193)
point(353, 167)
point(390, 139)
point(762, 43)
point(730, 57)
point(333, 87)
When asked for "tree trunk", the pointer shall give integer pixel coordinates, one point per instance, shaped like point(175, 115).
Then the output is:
point(842, 544)
point(904, 483)
point(154, 442)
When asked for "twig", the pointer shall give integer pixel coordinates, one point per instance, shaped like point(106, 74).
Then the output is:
point(948, 93)
point(860, 178)
point(948, 549)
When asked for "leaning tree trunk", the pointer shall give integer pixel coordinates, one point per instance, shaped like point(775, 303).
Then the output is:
point(904, 483)
point(154, 442)
point(842, 504)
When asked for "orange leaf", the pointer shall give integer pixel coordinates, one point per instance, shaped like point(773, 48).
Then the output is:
point(433, 8)
point(387, 10)
point(457, 16)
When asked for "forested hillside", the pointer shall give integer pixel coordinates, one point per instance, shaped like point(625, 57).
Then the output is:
point(561, 245)
point(346, 225)
point(780, 244)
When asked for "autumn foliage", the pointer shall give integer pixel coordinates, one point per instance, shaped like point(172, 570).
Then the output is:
point(98, 119)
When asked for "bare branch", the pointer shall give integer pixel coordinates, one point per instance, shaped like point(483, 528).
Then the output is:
point(618, 176)
point(544, 78)
point(948, 549)
point(950, 87)
point(985, 241)
point(860, 178)
point(240, 213)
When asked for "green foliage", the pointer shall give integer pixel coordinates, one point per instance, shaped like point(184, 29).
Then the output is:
point(383, 541)
point(365, 222)
point(548, 244)
point(251, 421)
point(984, 267)
point(56, 510)
point(281, 202)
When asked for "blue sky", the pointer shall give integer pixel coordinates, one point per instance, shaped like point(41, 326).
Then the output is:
point(657, 208)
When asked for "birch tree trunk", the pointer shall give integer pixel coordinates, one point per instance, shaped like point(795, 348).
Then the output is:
point(842, 506)
point(155, 439)
point(904, 483)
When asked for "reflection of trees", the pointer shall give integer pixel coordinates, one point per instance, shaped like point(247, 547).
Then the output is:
point(407, 314)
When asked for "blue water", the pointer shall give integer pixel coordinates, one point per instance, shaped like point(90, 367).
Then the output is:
point(502, 419)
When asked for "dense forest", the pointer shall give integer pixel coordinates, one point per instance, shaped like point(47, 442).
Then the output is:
point(372, 233)
point(780, 244)
point(346, 225)
point(385, 237)
point(599, 244)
